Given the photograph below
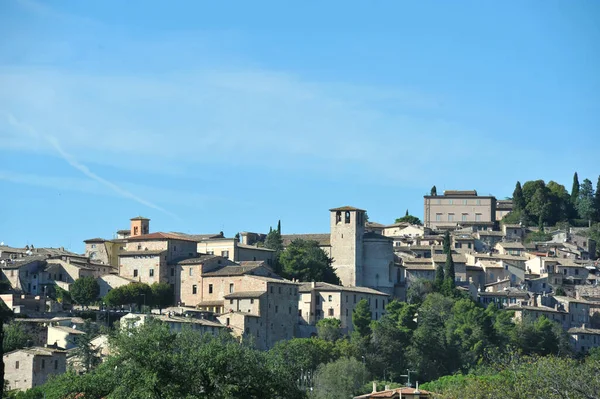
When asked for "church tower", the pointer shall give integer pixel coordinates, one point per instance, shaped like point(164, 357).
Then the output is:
point(139, 226)
point(347, 230)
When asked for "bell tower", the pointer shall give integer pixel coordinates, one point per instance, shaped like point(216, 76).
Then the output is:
point(139, 226)
point(347, 230)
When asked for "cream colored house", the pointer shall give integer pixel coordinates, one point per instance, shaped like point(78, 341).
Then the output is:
point(109, 282)
point(232, 249)
point(583, 338)
point(464, 208)
point(31, 367)
point(510, 248)
point(62, 337)
point(322, 300)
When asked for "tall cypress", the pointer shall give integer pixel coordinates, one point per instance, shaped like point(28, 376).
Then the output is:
point(575, 189)
point(433, 191)
point(439, 276)
point(279, 226)
point(447, 242)
point(449, 272)
point(597, 200)
point(518, 199)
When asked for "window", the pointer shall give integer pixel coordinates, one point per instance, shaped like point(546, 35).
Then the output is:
point(230, 288)
point(194, 289)
point(151, 272)
point(465, 202)
point(17, 364)
point(231, 301)
point(576, 272)
point(43, 363)
point(290, 310)
point(225, 254)
point(438, 217)
point(346, 312)
point(346, 298)
point(565, 272)
point(251, 301)
point(354, 298)
point(464, 217)
point(330, 298)
point(478, 217)
point(338, 217)
point(227, 321)
point(478, 202)
point(469, 245)
point(56, 365)
point(347, 217)
point(174, 248)
point(439, 202)
point(456, 245)
point(210, 288)
point(300, 312)
point(276, 308)
point(93, 246)
point(279, 289)
point(376, 303)
point(450, 202)
point(191, 271)
point(271, 289)
point(172, 271)
point(135, 273)
point(450, 217)
point(330, 312)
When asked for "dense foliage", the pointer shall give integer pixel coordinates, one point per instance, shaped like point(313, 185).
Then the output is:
point(85, 290)
point(410, 219)
point(159, 295)
point(541, 204)
point(15, 337)
point(152, 362)
point(306, 261)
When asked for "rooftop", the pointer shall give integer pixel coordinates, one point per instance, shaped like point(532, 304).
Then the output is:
point(393, 393)
point(160, 236)
point(322, 239)
point(583, 330)
point(139, 218)
point(244, 294)
point(38, 351)
point(320, 286)
point(347, 208)
point(232, 270)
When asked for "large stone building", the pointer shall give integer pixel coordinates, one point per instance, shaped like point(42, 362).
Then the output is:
point(322, 300)
point(360, 258)
point(464, 208)
point(31, 367)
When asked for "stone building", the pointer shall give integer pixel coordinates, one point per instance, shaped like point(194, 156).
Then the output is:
point(360, 258)
point(31, 367)
point(319, 301)
point(464, 208)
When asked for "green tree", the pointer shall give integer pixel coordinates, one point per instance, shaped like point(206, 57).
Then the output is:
point(306, 261)
point(410, 219)
point(5, 315)
point(585, 203)
point(447, 243)
point(361, 318)
point(597, 200)
point(118, 297)
point(449, 276)
point(139, 293)
point(15, 337)
point(85, 352)
point(341, 379)
point(439, 276)
point(434, 191)
point(539, 206)
point(518, 199)
point(575, 190)
point(85, 290)
point(162, 295)
point(561, 207)
point(418, 290)
point(329, 329)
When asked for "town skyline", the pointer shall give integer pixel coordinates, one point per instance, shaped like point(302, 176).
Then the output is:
point(216, 119)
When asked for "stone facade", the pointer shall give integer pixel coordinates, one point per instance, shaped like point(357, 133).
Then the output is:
point(32, 367)
point(459, 207)
point(347, 231)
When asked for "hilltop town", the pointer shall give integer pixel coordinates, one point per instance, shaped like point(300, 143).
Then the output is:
point(247, 286)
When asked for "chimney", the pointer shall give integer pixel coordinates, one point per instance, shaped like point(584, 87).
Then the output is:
point(417, 389)
point(313, 284)
point(374, 387)
point(387, 388)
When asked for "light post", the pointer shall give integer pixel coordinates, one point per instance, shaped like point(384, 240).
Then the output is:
point(144, 295)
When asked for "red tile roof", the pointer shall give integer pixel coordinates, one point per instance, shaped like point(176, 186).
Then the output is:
point(159, 236)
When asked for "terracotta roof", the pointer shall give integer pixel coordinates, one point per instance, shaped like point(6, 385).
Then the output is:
point(346, 208)
point(201, 258)
point(132, 253)
point(244, 294)
point(393, 393)
point(38, 350)
point(457, 258)
point(274, 279)
point(231, 270)
point(255, 248)
point(198, 237)
point(188, 320)
point(211, 303)
point(320, 286)
point(160, 236)
point(322, 239)
point(511, 245)
point(419, 266)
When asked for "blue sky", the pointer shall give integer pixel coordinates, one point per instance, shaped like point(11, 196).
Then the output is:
point(210, 116)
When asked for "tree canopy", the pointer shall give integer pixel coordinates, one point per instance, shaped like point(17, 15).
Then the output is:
point(410, 219)
point(306, 261)
point(85, 290)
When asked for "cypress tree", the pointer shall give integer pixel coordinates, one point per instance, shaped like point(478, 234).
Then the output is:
point(434, 191)
point(575, 189)
point(449, 275)
point(447, 242)
point(279, 226)
point(518, 199)
point(597, 200)
point(406, 213)
point(439, 276)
